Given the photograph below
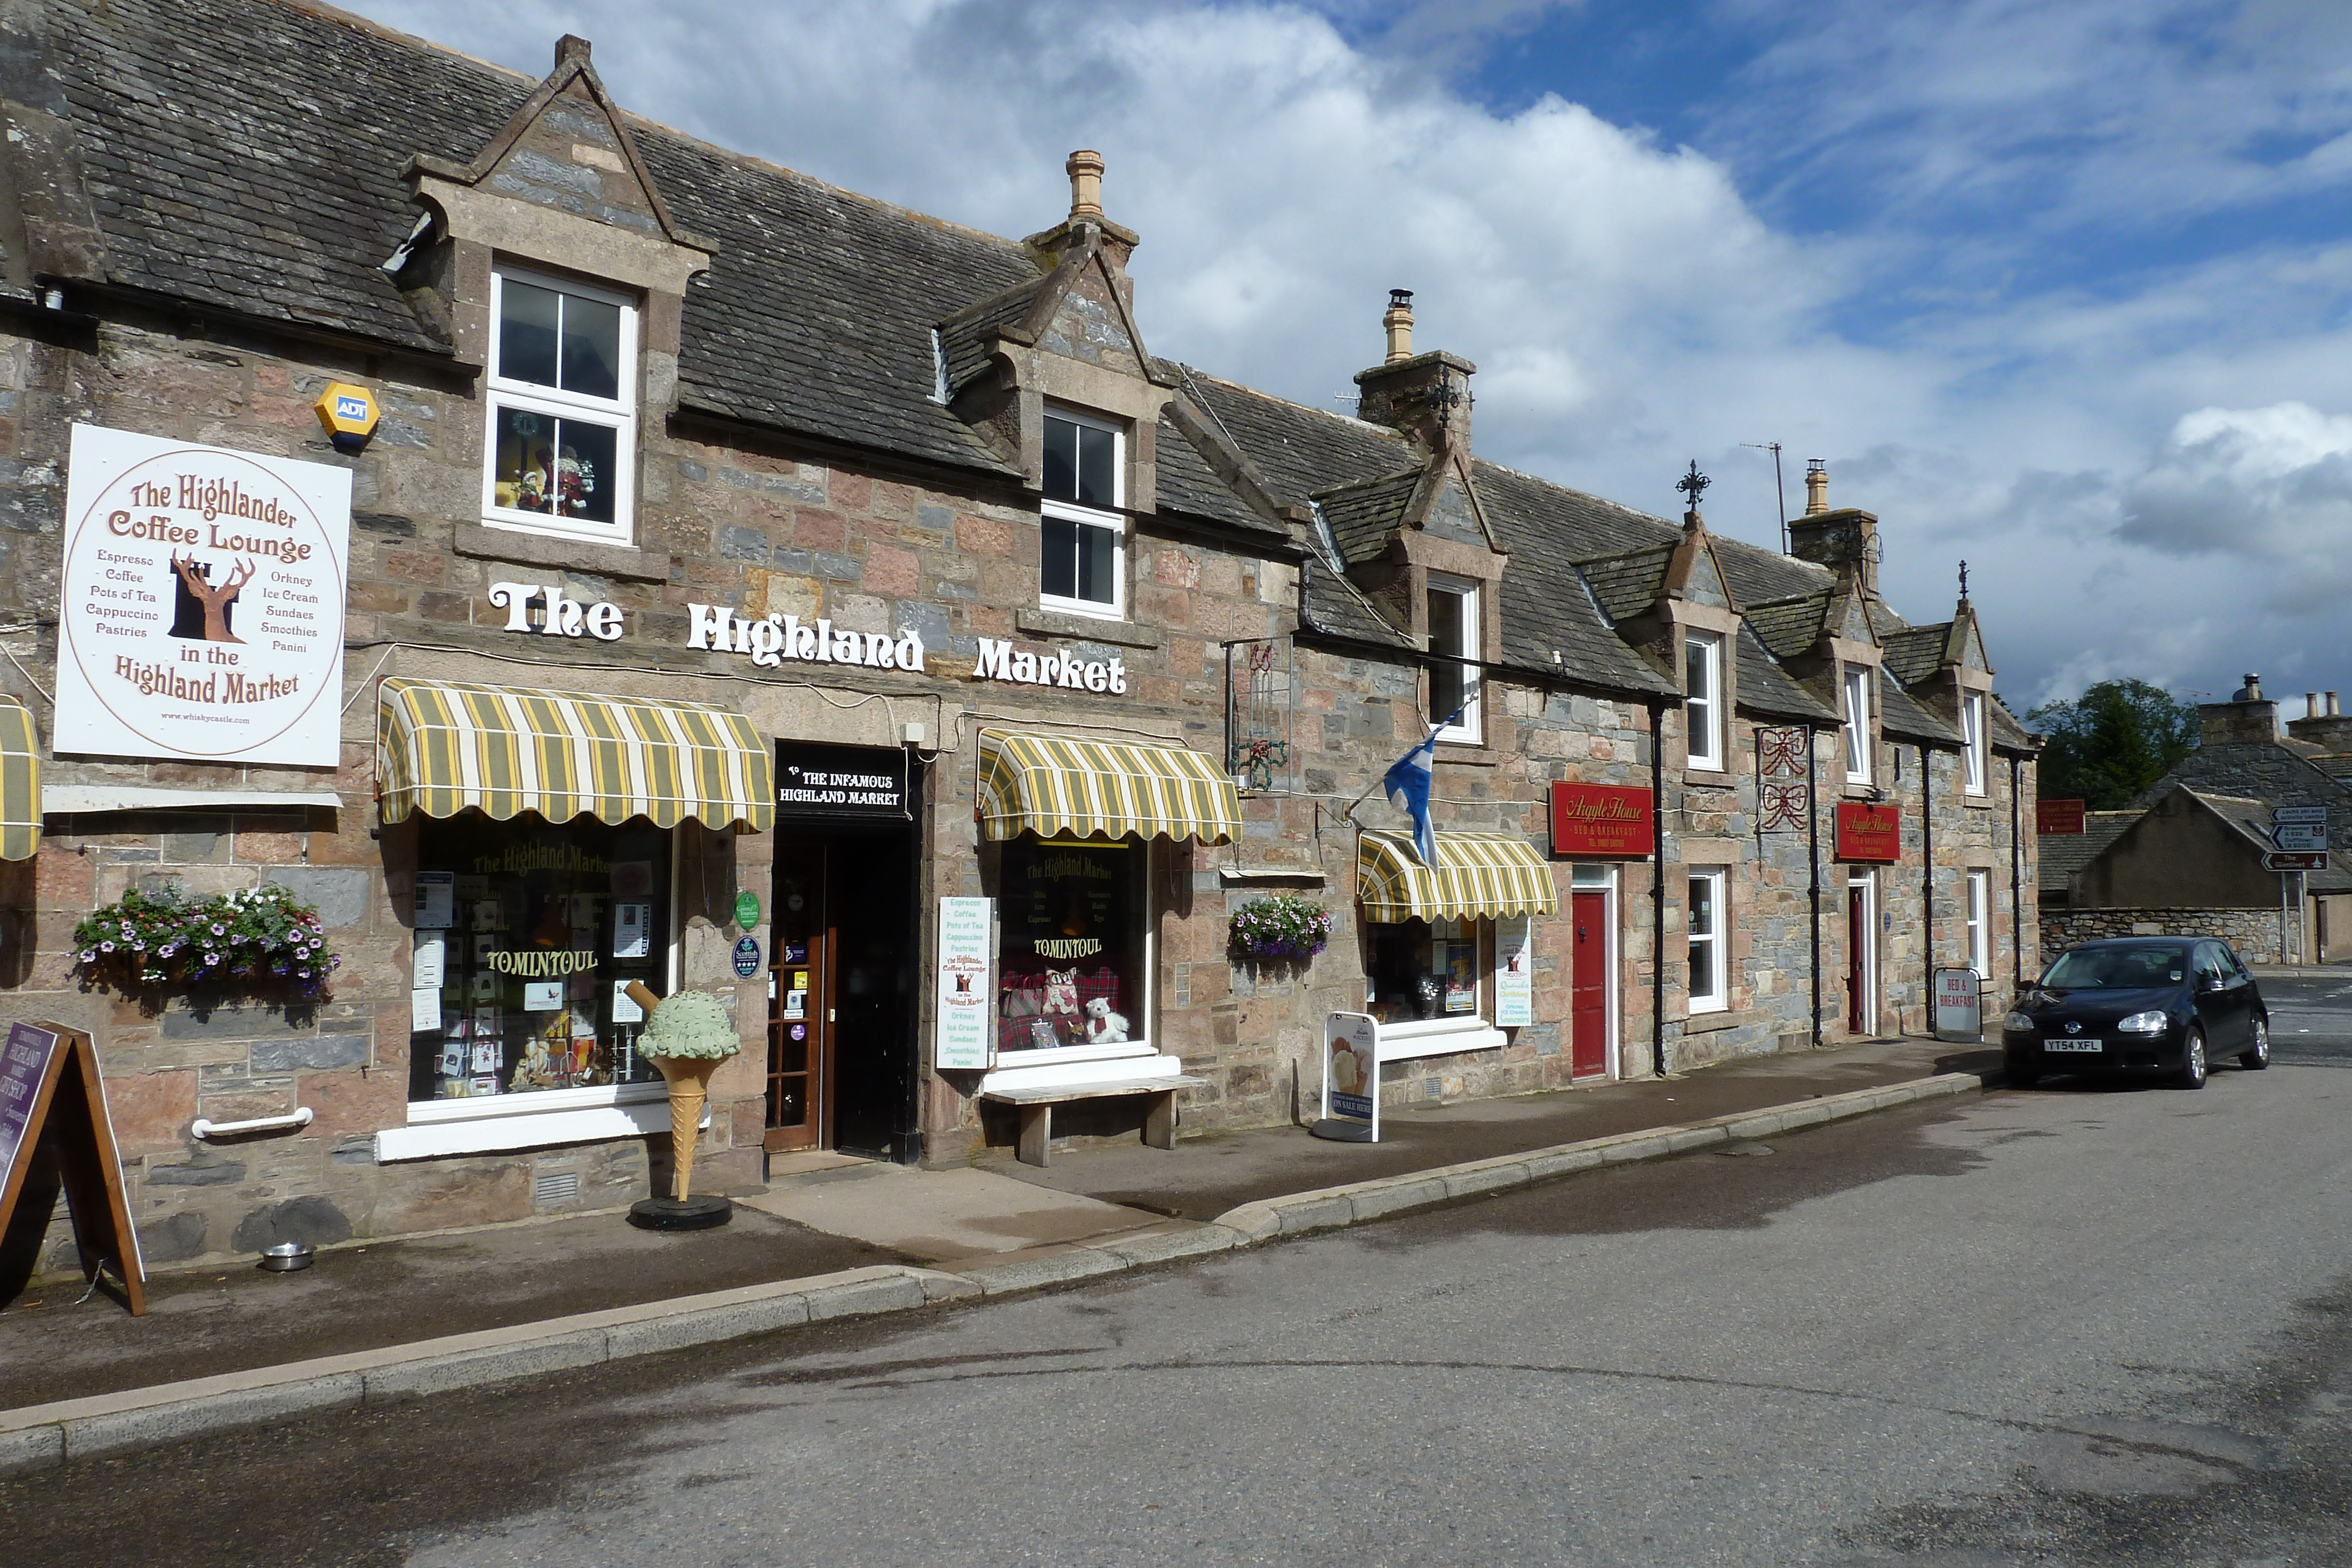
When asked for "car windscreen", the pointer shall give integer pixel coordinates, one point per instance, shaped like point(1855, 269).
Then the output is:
point(2117, 968)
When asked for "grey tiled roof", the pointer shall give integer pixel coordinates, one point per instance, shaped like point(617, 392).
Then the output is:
point(965, 336)
point(1789, 627)
point(1580, 525)
point(1628, 584)
point(1301, 450)
point(1546, 606)
point(2008, 733)
point(1767, 689)
point(1365, 515)
point(2060, 855)
point(1188, 485)
point(1915, 653)
point(1757, 574)
point(1899, 714)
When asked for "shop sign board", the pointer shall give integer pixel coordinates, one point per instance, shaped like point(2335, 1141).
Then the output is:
point(2059, 818)
point(50, 1085)
point(1959, 1005)
point(817, 782)
point(1868, 832)
point(1614, 819)
point(1351, 1073)
point(964, 1032)
point(200, 602)
point(1514, 964)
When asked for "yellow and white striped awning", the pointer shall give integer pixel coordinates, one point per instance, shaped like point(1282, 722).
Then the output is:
point(445, 745)
point(20, 783)
point(1051, 784)
point(1477, 875)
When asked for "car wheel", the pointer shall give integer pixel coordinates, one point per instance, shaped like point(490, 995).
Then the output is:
point(2021, 1074)
point(2257, 1056)
point(2192, 1062)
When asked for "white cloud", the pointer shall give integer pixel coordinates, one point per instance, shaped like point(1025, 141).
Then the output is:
point(1632, 304)
point(2274, 484)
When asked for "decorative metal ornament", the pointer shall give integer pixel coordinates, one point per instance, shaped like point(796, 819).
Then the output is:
point(1694, 484)
point(1785, 805)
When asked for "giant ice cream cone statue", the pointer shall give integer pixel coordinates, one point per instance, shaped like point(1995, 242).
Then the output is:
point(686, 1038)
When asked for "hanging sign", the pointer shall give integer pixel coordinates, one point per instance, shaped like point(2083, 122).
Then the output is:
point(1352, 1078)
point(963, 1031)
point(201, 603)
point(1868, 832)
point(1515, 979)
point(1614, 819)
point(49, 1084)
point(2059, 818)
point(820, 782)
point(1959, 1005)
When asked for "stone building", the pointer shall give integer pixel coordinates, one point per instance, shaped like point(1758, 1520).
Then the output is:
point(740, 570)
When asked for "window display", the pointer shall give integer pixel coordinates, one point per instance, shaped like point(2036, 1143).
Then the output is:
point(1425, 969)
point(526, 934)
point(1071, 963)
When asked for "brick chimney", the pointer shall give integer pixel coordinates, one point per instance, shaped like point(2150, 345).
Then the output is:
point(2323, 723)
point(2248, 718)
point(1425, 395)
point(1846, 537)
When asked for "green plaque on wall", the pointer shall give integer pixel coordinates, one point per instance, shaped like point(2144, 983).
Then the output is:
point(747, 909)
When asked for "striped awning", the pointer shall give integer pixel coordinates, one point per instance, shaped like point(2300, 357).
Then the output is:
point(1050, 785)
point(1477, 875)
point(20, 783)
point(445, 745)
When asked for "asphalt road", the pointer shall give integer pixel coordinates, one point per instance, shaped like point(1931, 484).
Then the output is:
point(2081, 1325)
point(2311, 1018)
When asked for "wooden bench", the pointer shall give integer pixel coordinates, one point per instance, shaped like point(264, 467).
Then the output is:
point(1036, 1107)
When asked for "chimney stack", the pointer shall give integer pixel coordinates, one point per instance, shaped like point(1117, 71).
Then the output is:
point(2325, 726)
point(2311, 705)
point(2332, 709)
point(1399, 322)
point(2248, 718)
point(1817, 487)
point(1085, 171)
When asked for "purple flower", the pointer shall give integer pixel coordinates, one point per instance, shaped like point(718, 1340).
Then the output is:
point(220, 930)
point(167, 950)
point(212, 958)
point(106, 946)
point(304, 973)
point(89, 958)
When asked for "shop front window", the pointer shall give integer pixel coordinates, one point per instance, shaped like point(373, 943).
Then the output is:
point(526, 934)
point(1071, 959)
point(1426, 970)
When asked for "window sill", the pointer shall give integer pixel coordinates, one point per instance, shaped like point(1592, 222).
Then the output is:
point(497, 1122)
point(1467, 753)
point(1055, 623)
point(1078, 1066)
point(1712, 777)
point(561, 552)
point(1438, 1037)
point(1710, 1019)
point(1981, 799)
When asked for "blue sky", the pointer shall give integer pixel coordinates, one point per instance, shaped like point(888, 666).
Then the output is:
point(2059, 288)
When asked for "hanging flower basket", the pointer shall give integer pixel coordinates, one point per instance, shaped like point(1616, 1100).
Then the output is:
point(1282, 928)
point(260, 938)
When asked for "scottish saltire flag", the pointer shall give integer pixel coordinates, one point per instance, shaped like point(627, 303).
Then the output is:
point(1407, 783)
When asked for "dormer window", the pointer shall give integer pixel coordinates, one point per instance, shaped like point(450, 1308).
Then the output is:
point(1454, 692)
point(1857, 724)
point(561, 452)
point(1082, 563)
point(1703, 697)
point(1972, 743)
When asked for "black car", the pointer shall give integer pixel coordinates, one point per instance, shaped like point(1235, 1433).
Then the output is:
point(2145, 1004)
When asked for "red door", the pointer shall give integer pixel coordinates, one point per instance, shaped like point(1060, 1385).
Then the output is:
point(1588, 1006)
point(1857, 936)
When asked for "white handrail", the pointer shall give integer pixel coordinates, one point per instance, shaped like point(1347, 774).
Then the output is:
point(204, 1129)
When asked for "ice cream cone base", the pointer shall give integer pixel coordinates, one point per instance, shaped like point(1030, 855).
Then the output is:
point(689, 1086)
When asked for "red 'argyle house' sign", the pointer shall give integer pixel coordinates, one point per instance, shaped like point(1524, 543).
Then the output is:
point(1614, 819)
point(1867, 832)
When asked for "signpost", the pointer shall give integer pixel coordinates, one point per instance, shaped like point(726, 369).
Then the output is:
point(1351, 1078)
point(1959, 1006)
point(2300, 835)
point(2296, 860)
point(52, 1098)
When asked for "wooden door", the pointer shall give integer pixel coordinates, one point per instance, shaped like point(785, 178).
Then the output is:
point(801, 961)
point(1857, 957)
point(1588, 985)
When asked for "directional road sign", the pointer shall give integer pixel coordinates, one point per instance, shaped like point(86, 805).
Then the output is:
point(2299, 814)
point(2285, 860)
point(2302, 837)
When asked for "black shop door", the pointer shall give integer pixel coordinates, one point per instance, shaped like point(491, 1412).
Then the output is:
point(842, 1015)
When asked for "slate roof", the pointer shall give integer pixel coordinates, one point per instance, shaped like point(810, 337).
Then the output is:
point(1915, 653)
point(1627, 585)
point(2008, 733)
point(1188, 485)
point(1789, 627)
point(1363, 516)
point(1756, 574)
point(1900, 714)
point(965, 336)
point(1767, 689)
point(2060, 855)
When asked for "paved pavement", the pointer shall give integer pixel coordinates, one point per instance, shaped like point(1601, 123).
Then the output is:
point(2085, 1325)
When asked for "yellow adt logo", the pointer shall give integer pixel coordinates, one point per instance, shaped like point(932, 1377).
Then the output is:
point(349, 412)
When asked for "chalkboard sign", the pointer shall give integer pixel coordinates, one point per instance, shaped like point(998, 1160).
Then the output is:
point(52, 1098)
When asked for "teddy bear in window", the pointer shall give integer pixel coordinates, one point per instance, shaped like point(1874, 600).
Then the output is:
point(1104, 1027)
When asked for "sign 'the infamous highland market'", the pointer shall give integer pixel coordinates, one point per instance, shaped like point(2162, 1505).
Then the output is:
point(201, 609)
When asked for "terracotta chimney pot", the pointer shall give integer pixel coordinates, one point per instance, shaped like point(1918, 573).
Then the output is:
point(1817, 487)
point(1399, 322)
point(1085, 171)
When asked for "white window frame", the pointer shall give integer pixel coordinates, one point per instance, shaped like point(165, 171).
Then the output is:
point(1113, 522)
point(1972, 742)
point(1703, 711)
point(1858, 746)
point(620, 414)
point(1979, 923)
point(1471, 730)
point(1716, 998)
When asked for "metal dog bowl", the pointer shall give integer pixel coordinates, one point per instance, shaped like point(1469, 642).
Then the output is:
point(287, 1256)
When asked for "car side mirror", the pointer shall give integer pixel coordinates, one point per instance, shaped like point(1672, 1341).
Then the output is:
point(2211, 983)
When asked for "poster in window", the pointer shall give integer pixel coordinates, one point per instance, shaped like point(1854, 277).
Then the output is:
point(1460, 972)
point(632, 930)
point(1514, 981)
point(431, 949)
point(436, 900)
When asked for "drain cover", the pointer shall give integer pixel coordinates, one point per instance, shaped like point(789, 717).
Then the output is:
point(1739, 1151)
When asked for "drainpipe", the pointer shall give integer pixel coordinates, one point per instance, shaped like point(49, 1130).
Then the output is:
point(1927, 895)
point(2016, 889)
point(1658, 888)
point(1813, 835)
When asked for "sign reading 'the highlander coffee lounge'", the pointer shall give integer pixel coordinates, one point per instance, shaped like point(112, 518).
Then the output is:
point(201, 609)
point(1868, 832)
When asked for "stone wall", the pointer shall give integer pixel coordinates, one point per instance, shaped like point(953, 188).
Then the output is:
point(2254, 933)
